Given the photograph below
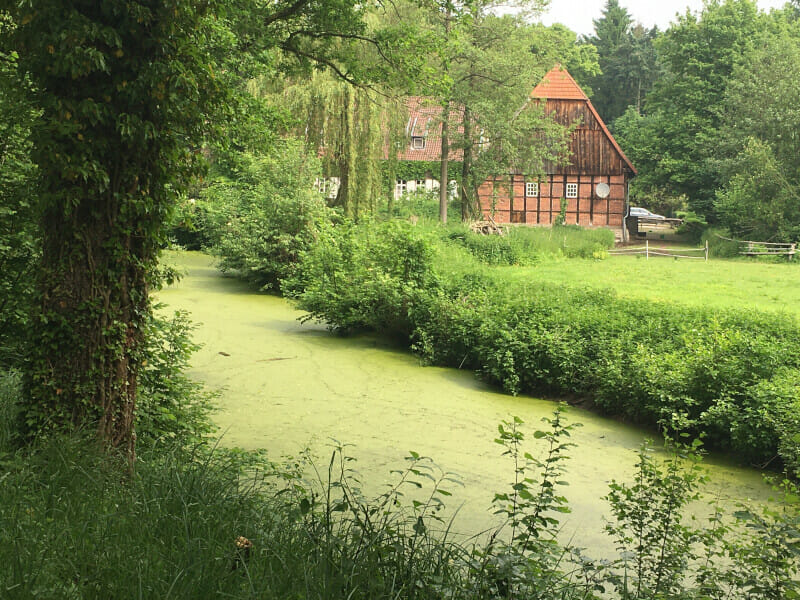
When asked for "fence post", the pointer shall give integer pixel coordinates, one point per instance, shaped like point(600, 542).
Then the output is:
point(647, 249)
point(706, 250)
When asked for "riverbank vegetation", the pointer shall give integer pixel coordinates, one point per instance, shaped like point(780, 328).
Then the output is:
point(726, 373)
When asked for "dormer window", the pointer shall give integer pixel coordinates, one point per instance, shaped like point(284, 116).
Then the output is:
point(417, 142)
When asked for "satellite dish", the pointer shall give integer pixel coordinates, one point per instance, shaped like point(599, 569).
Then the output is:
point(602, 190)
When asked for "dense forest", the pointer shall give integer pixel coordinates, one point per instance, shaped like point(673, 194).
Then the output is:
point(128, 127)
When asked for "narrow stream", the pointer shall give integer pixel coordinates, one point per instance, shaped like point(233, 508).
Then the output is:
point(286, 386)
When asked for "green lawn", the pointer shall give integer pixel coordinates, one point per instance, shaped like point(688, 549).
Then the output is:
point(720, 283)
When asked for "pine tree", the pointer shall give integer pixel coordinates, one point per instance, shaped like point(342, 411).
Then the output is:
point(612, 39)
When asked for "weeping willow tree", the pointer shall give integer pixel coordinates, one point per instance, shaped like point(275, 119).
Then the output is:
point(351, 129)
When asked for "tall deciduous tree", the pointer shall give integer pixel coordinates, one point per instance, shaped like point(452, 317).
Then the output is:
point(451, 20)
point(484, 68)
point(760, 142)
point(350, 127)
point(502, 61)
point(128, 90)
point(557, 43)
point(348, 112)
point(18, 247)
point(699, 54)
point(125, 93)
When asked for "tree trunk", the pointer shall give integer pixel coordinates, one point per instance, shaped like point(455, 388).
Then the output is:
point(390, 196)
point(466, 167)
point(92, 311)
point(111, 157)
point(639, 97)
point(345, 155)
point(443, 175)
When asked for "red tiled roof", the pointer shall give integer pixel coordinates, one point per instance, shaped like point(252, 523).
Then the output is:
point(424, 120)
point(558, 84)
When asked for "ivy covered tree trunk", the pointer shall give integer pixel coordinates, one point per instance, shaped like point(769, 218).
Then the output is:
point(123, 88)
point(93, 307)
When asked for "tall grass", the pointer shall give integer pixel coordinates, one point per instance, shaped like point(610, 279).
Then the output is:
point(9, 408)
point(203, 523)
point(528, 245)
point(198, 526)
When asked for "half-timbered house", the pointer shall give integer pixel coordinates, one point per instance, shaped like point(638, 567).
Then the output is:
point(592, 183)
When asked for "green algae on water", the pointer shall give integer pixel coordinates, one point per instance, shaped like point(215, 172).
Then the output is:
point(287, 386)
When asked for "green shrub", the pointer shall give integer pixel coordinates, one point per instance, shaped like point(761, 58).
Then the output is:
point(693, 226)
point(260, 224)
point(718, 245)
point(641, 360)
point(195, 223)
point(750, 554)
point(648, 528)
point(19, 183)
point(489, 249)
point(527, 245)
point(170, 405)
point(420, 205)
point(367, 276)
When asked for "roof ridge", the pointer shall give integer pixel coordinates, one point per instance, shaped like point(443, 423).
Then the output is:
point(558, 84)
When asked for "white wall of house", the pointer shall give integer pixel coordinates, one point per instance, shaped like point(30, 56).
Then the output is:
point(402, 187)
point(329, 186)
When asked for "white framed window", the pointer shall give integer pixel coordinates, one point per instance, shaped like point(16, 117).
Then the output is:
point(531, 189)
point(572, 190)
point(333, 187)
point(327, 186)
point(417, 143)
point(400, 187)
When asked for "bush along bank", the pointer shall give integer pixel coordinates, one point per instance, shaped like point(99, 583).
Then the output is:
point(732, 376)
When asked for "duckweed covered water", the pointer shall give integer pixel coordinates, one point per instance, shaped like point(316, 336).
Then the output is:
point(286, 386)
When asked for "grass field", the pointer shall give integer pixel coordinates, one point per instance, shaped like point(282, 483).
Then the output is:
point(717, 283)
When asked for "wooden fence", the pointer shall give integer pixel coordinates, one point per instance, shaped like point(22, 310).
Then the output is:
point(767, 249)
point(751, 248)
point(647, 251)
